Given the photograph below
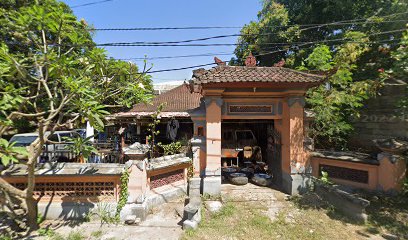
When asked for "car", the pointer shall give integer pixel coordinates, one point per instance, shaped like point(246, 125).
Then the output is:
point(23, 139)
point(54, 148)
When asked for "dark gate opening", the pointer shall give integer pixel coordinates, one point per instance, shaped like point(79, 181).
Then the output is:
point(237, 134)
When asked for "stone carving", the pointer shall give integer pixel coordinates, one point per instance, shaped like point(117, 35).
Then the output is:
point(392, 145)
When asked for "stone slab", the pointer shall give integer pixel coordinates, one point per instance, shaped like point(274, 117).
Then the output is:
point(212, 185)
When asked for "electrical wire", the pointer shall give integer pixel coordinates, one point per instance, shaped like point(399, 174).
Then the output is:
point(312, 25)
point(256, 55)
point(91, 3)
point(131, 44)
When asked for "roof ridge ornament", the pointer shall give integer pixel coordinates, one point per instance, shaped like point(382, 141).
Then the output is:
point(219, 62)
point(250, 61)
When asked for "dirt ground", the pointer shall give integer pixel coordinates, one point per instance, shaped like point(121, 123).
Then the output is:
point(162, 223)
point(252, 212)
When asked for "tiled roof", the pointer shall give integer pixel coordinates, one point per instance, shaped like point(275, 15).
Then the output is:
point(253, 74)
point(179, 99)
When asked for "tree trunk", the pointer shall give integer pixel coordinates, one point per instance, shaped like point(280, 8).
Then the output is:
point(30, 201)
point(32, 213)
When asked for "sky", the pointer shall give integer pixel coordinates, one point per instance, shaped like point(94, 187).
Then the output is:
point(166, 13)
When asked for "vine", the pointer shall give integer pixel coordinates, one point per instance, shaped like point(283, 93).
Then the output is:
point(123, 194)
point(190, 170)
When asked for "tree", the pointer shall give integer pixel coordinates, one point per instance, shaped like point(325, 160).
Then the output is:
point(321, 35)
point(51, 73)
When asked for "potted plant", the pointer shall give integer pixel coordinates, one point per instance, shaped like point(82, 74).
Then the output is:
point(82, 148)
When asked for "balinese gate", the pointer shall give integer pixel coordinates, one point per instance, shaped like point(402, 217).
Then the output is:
point(250, 92)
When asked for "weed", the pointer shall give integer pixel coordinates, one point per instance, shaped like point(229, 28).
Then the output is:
point(226, 211)
point(46, 232)
point(75, 236)
point(105, 212)
point(5, 237)
point(325, 178)
point(97, 234)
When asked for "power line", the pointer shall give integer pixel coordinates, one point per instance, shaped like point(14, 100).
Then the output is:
point(312, 25)
point(132, 44)
point(182, 68)
point(179, 56)
point(91, 3)
point(256, 55)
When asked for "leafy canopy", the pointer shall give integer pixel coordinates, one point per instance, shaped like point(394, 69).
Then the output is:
point(321, 36)
point(51, 73)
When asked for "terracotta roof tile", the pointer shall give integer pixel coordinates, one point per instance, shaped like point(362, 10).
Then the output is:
point(252, 74)
point(179, 99)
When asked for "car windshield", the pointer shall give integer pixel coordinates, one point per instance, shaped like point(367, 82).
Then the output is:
point(23, 140)
point(244, 135)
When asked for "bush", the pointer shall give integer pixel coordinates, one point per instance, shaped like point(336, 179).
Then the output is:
point(172, 148)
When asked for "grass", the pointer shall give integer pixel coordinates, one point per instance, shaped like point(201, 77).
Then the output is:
point(97, 234)
point(307, 217)
point(388, 214)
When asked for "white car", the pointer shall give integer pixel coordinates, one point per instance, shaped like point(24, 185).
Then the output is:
point(54, 149)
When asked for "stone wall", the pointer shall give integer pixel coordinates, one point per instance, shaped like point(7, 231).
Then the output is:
point(380, 117)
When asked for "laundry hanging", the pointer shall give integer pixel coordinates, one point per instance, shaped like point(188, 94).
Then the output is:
point(172, 128)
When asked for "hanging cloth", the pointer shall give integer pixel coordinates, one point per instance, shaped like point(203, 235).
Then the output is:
point(172, 128)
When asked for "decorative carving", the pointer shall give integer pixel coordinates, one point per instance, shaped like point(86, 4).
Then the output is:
point(219, 62)
point(250, 108)
point(348, 174)
point(299, 99)
point(72, 189)
point(250, 61)
point(166, 178)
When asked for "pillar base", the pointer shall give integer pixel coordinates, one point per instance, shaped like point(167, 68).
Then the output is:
point(295, 184)
point(212, 185)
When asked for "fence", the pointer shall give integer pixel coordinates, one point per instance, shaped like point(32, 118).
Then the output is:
point(108, 152)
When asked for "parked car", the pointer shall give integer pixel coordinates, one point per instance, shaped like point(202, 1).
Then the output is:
point(81, 131)
point(54, 149)
point(23, 139)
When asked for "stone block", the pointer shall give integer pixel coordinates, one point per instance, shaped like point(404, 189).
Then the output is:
point(191, 209)
point(140, 210)
point(212, 185)
point(197, 216)
point(295, 184)
point(190, 224)
point(213, 206)
point(348, 204)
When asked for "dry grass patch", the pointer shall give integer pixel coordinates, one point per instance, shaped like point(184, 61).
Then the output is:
point(247, 220)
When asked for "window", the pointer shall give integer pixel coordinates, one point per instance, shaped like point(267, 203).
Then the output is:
point(21, 141)
point(53, 138)
point(64, 136)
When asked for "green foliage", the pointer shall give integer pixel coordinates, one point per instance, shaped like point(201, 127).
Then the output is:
point(152, 129)
point(325, 178)
point(48, 232)
point(320, 58)
point(405, 187)
point(104, 212)
point(53, 75)
point(171, 148)
point(45, 37)
point(124, 192)
point(81, 146)
point(75, 236)
point(352, 65)
point(9, 153)
point(399, 70)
